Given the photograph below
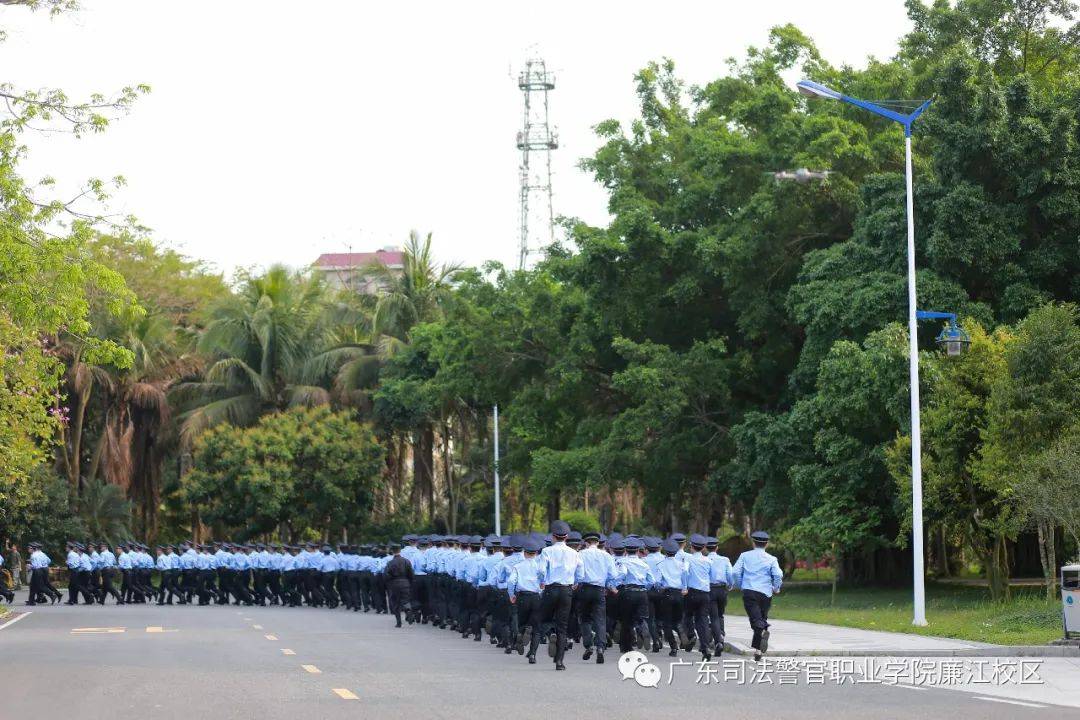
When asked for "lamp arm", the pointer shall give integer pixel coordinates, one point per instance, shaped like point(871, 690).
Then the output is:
point(934, 315)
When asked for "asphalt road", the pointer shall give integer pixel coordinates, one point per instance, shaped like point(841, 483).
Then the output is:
point(219, 663)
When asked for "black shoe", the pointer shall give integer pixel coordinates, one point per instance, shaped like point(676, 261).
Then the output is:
point(674, 652)
point(657, 647)
point(757, 657)
point(764, 641)
point(398, 624)
point(524, 639)
point(560, 666)
point(599, 658)
point(29, 602)
point(508, 650)
point(552, 645)
point(588, 654)
point(532, 659)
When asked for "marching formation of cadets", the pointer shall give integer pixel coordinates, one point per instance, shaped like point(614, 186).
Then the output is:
point(521, 590)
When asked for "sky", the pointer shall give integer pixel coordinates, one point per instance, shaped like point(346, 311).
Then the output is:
point(276, 131)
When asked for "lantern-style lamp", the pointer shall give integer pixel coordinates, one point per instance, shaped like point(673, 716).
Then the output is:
point(952, 338)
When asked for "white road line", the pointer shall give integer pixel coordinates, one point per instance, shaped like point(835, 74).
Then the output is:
point(257, 627)
point(97, 631)
point(287, 651)
point(1010, 702)
point(271, 637)
point(906, 687)
point(16, 619)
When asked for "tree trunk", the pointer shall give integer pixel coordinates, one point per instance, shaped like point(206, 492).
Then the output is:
point(997, 570)
point(835, 576)
point(554, 504)
point(1048, 557)
point(423, 464)
point(95, 459)
point(448, 478)
point(943, 553)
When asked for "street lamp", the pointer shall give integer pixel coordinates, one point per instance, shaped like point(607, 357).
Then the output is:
point(952, 338)
point(817, 90)
point(498, 493)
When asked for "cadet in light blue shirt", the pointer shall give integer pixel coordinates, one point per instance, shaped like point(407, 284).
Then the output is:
point(39, 577)
point(635, 578)
point(524, 586)
point(696, 623)
point(671, 576)
point(720, 583)
point(595, 574)
point(560, 564)
point(760, 577)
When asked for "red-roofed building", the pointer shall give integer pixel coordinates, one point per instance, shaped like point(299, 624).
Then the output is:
point(351, 271)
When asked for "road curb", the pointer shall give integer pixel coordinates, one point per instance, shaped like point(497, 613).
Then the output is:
point(737, 648)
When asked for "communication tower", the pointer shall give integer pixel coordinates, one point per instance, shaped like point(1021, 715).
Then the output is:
point(536, 140)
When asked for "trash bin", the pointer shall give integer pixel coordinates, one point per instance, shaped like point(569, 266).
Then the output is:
point(1070, 599)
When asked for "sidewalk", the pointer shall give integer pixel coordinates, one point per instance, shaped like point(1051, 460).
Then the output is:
point(794, 638)
point(1058, 666)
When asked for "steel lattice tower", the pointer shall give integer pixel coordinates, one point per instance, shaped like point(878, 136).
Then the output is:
point(536, 137)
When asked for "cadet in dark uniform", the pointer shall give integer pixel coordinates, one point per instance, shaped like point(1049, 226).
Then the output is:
point(399, 577)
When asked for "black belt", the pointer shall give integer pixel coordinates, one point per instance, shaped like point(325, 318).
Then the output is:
point(632, 587)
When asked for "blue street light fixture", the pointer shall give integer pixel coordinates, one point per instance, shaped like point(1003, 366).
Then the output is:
point(817, 90)
point(952, 337)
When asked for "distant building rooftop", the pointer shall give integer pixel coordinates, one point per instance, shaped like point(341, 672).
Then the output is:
point(390, 257)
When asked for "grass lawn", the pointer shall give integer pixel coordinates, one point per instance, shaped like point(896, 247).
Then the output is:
point(953, 611)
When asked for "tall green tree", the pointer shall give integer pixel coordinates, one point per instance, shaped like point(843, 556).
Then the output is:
point(304, 472)
point(258, 344)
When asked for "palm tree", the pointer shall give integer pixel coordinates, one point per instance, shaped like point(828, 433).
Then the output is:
point(261, 345)
point(418, 294)
point(134, 439)
point(105, 511)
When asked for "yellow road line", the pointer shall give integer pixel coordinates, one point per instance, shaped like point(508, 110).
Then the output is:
point(287, 651)
point(271, 637)
point(311, 669)
point(345, 694)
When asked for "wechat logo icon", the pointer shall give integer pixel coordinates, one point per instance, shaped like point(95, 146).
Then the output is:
point(635, 666)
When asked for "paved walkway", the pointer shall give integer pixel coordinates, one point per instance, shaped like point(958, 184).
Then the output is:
point(792, 636)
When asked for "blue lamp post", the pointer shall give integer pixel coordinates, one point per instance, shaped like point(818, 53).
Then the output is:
point(817, 90)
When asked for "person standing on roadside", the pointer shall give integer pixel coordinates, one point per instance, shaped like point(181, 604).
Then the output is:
point(15, 566)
